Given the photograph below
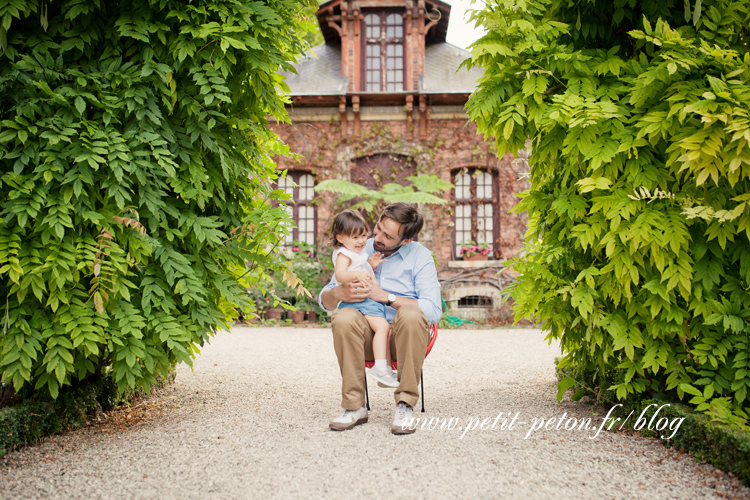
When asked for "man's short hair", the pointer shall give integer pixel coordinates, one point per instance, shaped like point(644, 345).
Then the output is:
point(407, 215)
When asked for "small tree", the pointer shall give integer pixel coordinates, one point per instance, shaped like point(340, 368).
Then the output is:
point(134, 161)
point(637, 256)
point(423, 188)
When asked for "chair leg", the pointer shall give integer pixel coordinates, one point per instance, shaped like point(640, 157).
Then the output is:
point(367, 395)
point(421, 381)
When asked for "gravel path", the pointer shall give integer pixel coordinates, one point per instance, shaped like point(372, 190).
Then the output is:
point(251, 421)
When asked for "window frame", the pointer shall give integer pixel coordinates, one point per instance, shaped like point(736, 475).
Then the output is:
point(295, 204)
point(383, 43)
point(473, 202)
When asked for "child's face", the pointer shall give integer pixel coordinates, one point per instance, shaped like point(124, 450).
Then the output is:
point(355, 243)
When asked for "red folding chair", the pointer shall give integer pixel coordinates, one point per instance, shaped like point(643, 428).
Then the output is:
point(394, 365)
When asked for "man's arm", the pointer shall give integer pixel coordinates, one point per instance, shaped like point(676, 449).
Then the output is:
point(334, 293)
point(380, 295)
point(428, 291)
point(426, 288)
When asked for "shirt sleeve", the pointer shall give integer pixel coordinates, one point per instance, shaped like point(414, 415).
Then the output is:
point(428, 291)
point(329, 286)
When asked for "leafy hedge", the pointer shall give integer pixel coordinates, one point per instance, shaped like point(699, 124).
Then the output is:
point(709, 440)
point(638, 255)
point(135, 207)
point(29, 421)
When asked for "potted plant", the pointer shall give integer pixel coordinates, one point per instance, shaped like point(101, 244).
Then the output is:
point(298, 315)
point(310, 314)
point(471, 250)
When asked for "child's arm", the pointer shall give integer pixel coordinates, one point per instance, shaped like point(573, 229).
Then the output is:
point(376, 260)
point(344, 275)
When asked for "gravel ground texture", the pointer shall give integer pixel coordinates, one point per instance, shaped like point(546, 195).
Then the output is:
point(251, 421)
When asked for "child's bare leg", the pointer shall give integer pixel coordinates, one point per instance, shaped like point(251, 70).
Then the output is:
point(380, 347)
point(381, 351)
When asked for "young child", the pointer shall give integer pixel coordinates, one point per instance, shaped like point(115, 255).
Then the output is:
point(349, 235)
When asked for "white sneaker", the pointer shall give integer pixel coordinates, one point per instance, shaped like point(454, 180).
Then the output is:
point(349, 419)
point(392, 374)
point(385, 378)
point(403, 421)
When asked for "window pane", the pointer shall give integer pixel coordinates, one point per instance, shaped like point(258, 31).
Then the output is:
point(287, 185)
point(306, 183)
point(484, 185)
point(395, 26)
point(372, 21)
point(461, 181)
point(289, 237)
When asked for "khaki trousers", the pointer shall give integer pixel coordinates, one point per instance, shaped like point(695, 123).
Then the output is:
point(352, 341)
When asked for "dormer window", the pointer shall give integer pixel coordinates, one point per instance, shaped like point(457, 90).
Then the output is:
point(383, 46)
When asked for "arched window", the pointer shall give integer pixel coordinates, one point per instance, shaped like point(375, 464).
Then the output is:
point(383, 46)
point(476, 219)
point(377, 170)
point(299, 185)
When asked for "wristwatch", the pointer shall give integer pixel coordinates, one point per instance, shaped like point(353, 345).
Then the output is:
point(391, 299)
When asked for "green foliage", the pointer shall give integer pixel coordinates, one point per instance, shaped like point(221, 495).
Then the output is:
point(314, 36)
point(424, 188)
point(135, 164)
point(638, 115)
point(29, 421)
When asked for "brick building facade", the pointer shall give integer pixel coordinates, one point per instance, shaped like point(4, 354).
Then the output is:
point(381, 101)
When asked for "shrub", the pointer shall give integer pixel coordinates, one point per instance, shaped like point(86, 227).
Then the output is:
point(637, 253)
point(135, 164)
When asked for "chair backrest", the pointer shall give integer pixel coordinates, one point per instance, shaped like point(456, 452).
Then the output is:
point(433, 338)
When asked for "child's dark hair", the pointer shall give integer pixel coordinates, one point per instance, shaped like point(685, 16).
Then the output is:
point(347, 223)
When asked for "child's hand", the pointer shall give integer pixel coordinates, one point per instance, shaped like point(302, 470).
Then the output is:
point(376, 259)
point(364, 276)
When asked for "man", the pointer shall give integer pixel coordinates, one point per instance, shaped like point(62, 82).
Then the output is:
point(407, 284)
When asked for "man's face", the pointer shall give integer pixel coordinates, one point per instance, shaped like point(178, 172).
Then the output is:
point(386, 237)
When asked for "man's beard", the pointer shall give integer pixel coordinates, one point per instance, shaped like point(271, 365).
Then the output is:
point(379, 247)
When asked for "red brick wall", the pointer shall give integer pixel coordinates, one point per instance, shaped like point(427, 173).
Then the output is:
point(448, 145)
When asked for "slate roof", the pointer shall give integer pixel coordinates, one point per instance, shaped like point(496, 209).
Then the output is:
point(321, 76)
point(440, 76)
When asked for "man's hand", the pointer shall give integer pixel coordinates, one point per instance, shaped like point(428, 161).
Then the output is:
point(378, 294)
point(354, 291)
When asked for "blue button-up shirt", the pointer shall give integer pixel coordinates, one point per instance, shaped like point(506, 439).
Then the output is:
point(408, 272)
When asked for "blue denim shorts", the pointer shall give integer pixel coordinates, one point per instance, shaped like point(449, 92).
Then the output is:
point(368, 307)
